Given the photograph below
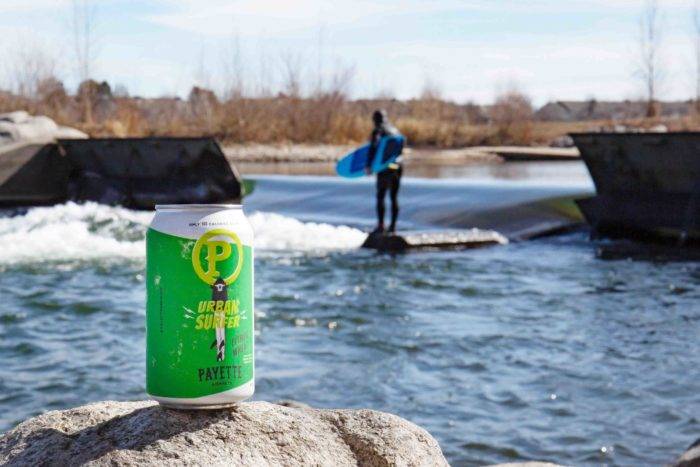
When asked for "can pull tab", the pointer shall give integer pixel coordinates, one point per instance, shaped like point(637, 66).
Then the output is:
point(219, 292)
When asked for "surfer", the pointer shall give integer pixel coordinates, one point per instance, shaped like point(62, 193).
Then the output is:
point(388, 179)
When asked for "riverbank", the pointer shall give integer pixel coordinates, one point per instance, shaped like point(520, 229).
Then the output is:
point(484, 161)
point(326, 153)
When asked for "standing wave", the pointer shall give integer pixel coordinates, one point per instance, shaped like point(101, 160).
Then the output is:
point(92, 231)
point(277, 232)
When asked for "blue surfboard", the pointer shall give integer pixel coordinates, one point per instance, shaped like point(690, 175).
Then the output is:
point(389, 149)
point(353, 164)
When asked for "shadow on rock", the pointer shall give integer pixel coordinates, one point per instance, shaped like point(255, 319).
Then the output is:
point(134, 431)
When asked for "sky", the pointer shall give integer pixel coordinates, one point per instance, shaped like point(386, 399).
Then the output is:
point(468, 50)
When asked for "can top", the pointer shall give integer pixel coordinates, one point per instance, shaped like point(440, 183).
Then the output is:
point(195, 207)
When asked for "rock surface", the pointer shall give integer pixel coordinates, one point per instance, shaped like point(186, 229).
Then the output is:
point(691, 457)
point(252, 433)
point(19, 126)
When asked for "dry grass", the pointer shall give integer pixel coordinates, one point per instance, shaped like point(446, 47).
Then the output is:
point(322, 118)
point(277, 108)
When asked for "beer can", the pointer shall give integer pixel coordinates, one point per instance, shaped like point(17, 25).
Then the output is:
point(199, 310)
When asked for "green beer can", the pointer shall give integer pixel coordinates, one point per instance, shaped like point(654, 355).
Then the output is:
point(199, 310)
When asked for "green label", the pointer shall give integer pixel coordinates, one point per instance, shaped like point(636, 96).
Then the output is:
point(199, 314)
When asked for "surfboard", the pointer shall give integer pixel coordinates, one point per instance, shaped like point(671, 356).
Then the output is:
point(353, 164)
point(388, 150)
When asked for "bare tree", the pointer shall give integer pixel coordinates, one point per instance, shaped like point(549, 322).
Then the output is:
point(511, 106)
point(650, 63)
point(202, 74)
point(292, 71)
point(83, 23)
point(265, 73)
point(233, 71)
point(431, 90)
point(120, 91)
point(696, 40)
point(320, 60)
point(341, 81)
point(28, 66)
point(512, 115)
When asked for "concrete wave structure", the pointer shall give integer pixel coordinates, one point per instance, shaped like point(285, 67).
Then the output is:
point(647, 185)
point(137, 173)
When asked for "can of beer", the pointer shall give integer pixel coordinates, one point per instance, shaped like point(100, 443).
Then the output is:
point(199, 311)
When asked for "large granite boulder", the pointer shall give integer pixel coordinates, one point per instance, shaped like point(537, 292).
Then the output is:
point(252, 433)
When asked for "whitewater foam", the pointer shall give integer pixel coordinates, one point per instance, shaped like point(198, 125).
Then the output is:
point(71, 231)
point(91, 231)
point(278, 233)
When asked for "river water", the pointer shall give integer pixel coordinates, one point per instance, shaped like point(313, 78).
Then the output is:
point(530, 350)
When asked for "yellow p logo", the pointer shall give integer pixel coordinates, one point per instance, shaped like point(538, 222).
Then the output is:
point(216, 251)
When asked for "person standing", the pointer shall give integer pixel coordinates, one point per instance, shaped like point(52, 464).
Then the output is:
point(389, 179)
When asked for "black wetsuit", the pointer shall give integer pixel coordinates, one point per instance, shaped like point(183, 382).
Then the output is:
point(388, 179)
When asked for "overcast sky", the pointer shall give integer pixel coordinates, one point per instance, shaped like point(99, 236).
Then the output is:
point(553, 49)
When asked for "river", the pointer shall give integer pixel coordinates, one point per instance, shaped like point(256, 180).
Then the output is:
point(530, 350)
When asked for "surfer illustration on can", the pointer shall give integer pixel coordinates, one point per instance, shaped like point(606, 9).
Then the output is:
point(219, 292)
point(199, 319)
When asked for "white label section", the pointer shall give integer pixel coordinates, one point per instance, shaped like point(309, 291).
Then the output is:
point(193, 224)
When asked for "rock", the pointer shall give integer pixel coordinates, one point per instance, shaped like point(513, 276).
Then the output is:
point(691, 457)
point(18, 116)
point(19, 126)
point(433, 240)
point(252, 433)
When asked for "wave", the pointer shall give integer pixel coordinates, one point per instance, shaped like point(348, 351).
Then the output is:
point(278, 233)
point(72, 231)
point(91, 231)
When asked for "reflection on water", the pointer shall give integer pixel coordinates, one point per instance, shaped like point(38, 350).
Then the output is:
point(285, 168)
point(561, 172)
